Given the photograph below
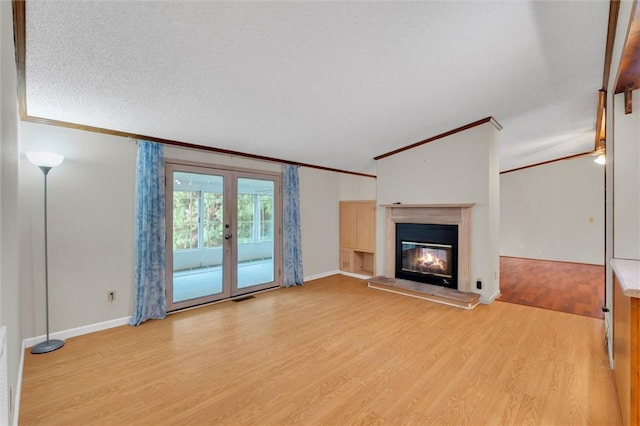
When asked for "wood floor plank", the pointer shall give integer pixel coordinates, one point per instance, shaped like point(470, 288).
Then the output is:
point(330, 352)
point(574, 288)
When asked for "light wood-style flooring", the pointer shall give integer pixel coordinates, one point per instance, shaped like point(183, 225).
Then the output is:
point(330, 352)
point(575, 288)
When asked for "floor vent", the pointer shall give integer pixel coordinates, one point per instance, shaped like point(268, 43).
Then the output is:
point(240, 299)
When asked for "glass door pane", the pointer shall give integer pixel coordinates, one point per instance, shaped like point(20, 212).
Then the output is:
point(256, 210)
point(197, 235)
point(222, 233)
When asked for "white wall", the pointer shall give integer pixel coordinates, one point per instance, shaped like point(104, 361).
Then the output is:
point(554, 212)
point(91, 223)
point(624, 16)
point(9, 217)
point(320, 194)
point(626, 180)
point(211, 158)
point(353, 187)
point(319, 214)
point(461, 168)
point(90, 211)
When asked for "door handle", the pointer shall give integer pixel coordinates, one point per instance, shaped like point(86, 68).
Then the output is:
point(227, 236)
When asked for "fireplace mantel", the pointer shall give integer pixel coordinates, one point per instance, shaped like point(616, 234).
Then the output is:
point(442, 214)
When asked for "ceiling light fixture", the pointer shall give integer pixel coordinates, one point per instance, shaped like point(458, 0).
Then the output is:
point(599, 152)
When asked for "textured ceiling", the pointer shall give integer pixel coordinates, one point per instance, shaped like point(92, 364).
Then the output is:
point(326, 83)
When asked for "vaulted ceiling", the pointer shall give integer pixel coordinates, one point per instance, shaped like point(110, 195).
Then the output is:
point(330, 83)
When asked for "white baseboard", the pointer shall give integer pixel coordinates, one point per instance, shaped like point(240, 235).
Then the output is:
point(351, 274)
point(18, 392)
point(78, 331)
point(318, 276)
point(489, 300)
point(328, 274)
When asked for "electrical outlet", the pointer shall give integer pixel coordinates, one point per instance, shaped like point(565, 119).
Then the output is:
point(111, 296)
point(479, 284)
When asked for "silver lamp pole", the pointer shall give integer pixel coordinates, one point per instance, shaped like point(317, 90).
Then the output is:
point(46, 161)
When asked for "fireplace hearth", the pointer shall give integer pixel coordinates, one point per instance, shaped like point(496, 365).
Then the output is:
point(427, 253)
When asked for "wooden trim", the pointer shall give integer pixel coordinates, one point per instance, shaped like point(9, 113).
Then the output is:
point(601, 110)
point(614, 8)
point(20, 43)
point(628, 99)
point(187, 145)
point(19, 29)
point(629, 71)
point(442, 135)
point(569, 157)
point(601, 120)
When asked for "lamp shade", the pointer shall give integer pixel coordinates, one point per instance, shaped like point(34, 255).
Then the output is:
point(44, 159)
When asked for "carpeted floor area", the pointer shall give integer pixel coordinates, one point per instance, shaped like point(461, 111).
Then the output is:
point(560, 286)
point(201, 282)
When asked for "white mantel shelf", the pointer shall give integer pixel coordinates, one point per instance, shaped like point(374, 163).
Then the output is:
point(440, 206)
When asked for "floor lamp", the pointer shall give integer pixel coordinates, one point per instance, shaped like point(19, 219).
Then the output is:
point(46, 161)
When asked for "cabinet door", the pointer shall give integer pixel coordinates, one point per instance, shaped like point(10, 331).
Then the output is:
point(346, 260)
point(348, 221)
point(366, 226)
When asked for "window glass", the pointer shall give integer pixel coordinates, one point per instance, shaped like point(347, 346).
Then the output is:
point(212, 221)
point(245, 218)
point(186, 205)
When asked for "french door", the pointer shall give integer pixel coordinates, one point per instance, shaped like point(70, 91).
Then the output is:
point(223, 233)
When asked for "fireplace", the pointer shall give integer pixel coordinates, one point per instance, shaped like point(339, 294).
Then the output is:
point(457, 215)
point(427, 253)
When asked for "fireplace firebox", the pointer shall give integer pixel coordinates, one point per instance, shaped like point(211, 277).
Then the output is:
point(427, 253)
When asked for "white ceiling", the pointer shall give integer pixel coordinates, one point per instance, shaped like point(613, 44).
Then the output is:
point(331, 83)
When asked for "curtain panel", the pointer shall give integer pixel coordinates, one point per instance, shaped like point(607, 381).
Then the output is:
point(150, 256)
point(292, 235)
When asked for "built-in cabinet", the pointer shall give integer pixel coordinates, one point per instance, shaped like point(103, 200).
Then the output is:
point(358, 236)
point(626, 338)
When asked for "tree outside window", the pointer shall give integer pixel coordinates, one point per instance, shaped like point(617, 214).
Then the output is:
point(245, 218)
point(266, 217)
point(198, 219)
point(186, 205)
point(213, 216)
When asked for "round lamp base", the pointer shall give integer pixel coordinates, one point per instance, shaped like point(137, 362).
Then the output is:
point(47, 346)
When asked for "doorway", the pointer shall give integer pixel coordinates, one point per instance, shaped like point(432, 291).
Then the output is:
point(223, 233)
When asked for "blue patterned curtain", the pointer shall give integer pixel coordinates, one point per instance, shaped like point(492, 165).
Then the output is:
point(292, 236)
point(150, 253)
